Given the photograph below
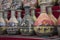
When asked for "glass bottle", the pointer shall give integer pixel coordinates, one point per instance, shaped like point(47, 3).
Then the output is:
point(27, 28)
point(33, 4)
point(43, 24)
point(33, 13)
point(2, 23)
point(5, 16)
point(18, 7)
point(12, 24)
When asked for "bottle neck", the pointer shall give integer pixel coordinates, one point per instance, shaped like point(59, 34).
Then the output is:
point(49, 10)
point(19, 14)
point(12, 13)
point(43, 8)
point(27, 10)
point(33, 12)
point(5, 14)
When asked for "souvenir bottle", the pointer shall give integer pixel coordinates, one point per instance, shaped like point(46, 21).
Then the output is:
point(19, 17)
point(27, 28)
point(33, 3)
point(12, 24)
point(14, 29)
point(2, 22)
point(5, 6)
point(43, 24)
point(27, 22)
point(18, 7)
point(17, 4)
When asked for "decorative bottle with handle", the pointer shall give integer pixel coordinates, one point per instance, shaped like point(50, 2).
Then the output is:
point(12, 24)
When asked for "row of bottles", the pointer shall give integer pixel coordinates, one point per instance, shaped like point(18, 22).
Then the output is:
point(43, 25)
point(26, 25)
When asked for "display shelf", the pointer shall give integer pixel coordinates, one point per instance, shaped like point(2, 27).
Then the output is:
point(20, 37)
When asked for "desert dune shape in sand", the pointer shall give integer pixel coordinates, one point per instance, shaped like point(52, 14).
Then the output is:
point(43, 19)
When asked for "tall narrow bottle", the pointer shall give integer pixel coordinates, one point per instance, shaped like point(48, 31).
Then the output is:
point(33, 14)
point(33, 4)
point(12, 29)
point(27, 23)
point(18, 6)
point(43, 23)
point(2, 23)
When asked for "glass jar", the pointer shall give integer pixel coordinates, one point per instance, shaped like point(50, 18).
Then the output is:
point(2, 23)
